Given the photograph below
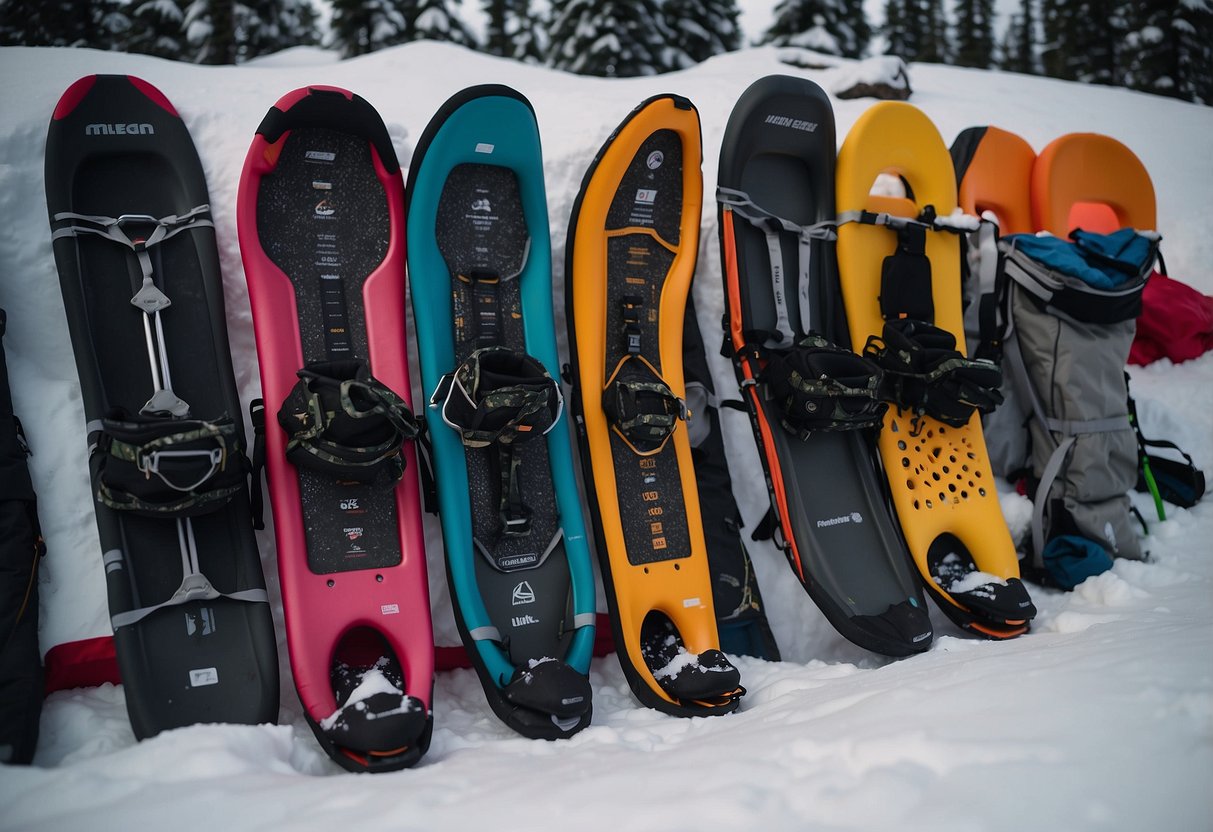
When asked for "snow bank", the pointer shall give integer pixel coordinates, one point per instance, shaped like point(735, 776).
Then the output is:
point(1099, 719)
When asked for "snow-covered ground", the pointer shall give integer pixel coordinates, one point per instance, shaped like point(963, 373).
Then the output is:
point(1101, 718)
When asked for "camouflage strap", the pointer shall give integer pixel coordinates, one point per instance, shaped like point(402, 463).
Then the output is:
point(925, 373)
point(342, 421)
point(823, 387)
point(501, 398)
point(641, 406)
point(164, 467)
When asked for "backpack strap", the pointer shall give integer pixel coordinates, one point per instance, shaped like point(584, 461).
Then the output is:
point(993, 300)
point(1164, 478)
point(772, 227)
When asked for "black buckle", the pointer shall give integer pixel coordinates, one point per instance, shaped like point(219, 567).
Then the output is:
point(631, 322)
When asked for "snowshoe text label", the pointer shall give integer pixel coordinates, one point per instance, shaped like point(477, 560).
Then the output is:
point(794, 123)
point(119, 129)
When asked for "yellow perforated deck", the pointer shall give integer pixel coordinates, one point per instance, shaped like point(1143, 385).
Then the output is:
point(940, 477)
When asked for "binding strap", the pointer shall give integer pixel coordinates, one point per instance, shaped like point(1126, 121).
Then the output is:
point(163, 467)
point(503, 398)
point(822, 387)
point(772, 226)
point(905, 275)
point(139, 232)
point(641, 406)
point(925, 373)
point(342, 421)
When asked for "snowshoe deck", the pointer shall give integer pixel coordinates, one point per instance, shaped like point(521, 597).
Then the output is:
point(777, 160)
point(994, 173)
point(518, 563)
point(939, 475)
point(322, 238)
point(630, 257)
point(130, 217)
point(1093, 182)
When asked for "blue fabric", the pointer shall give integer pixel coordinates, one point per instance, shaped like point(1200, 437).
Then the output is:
point(1133, 252)
point(1070, 559)
point(1102, 261)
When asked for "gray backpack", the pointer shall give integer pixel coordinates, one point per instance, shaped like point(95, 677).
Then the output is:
point(1063, 315)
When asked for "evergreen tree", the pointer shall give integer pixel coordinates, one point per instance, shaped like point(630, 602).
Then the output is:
point(158, 29)
point(1085, 40)
point(432, 20)
point(362, 26)
point(99, 24)
point(702, 28)
point(615, 38)
point(932, 23)
point(856, 19)
point(266, 26)
point(210, 28)
point(1019, 46)
point(917, 30)
point(901, 38)
point(1170, 49)
point(496, 41)
point(974, 33)
point(526, 33)
point(829, 26)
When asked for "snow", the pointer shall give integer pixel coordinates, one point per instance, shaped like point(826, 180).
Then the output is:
point(975, 580)
point(373, 682)
point(1100, 719)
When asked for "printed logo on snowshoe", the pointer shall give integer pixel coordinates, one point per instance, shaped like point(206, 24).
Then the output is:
point(485, 147)
point(324, 208)
point(482, 205)
point(204, 676)
point(353, 532)
point(200, 623)
point(655, 159)
point(853, 517)
point(389, 609)
point(793, 123)
point(523, 620)
point(319, 156)
point(351, 504)
point(687, 603)
point(646, 195)
point(518, 560)
point(139, 129)
point(572, 700)
point(523, 594)
point(317, 185)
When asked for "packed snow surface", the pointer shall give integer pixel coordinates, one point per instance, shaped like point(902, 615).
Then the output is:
point(1100, 719)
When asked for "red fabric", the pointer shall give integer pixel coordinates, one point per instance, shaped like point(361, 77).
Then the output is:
point(1176, 322)
point(92, 661)
point(81, 664)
